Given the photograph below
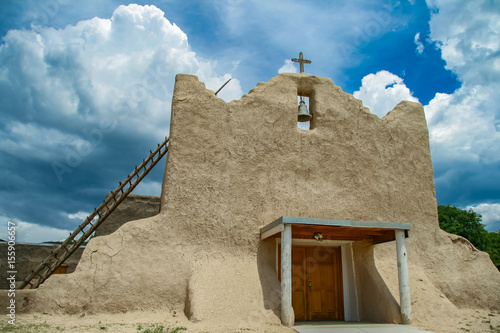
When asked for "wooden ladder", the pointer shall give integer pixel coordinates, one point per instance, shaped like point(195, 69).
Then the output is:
point(93, 221)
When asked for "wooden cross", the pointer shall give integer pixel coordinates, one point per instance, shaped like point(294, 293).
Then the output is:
point(302, 61)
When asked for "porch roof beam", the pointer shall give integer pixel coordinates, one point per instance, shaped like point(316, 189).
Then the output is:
point(274, 227)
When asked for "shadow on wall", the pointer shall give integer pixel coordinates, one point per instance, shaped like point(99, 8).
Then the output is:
point(271, 287)
point(376, 302)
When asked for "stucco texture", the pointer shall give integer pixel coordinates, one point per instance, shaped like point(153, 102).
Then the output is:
point(235, 167)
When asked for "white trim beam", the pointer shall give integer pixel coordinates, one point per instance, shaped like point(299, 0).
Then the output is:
point(337, 223)
point(270, 232)
point(287, 315)
point(404, 281)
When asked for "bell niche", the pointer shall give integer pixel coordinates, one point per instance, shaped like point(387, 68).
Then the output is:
point(305, 115)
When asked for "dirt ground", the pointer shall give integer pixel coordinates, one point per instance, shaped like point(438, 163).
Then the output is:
point(131, 322)
point(474, 321)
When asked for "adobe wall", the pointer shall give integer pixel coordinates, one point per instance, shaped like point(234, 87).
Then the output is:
point(235, 167)
point(246, 163)
point(134, 207)
point(254, 165)
point(29, 256)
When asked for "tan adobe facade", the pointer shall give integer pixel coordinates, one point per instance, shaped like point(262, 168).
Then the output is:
point(233, 168)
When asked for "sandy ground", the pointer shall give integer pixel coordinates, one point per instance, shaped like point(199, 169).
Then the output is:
point(474, 321)
point(136, 322)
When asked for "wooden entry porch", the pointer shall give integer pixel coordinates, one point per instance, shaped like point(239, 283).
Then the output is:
point(309, 229)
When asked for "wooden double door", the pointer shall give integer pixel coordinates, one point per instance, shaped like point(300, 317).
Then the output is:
point(317, 292)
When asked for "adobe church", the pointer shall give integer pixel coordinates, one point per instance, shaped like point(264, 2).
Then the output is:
point(263, 221)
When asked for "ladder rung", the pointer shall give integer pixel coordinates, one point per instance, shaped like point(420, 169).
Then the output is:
point(37, 274)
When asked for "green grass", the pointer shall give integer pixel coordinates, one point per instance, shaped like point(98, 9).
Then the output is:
point(159, 329)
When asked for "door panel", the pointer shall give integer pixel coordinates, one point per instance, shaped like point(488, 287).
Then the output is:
point(316, 305)
point(317, 283)
point(330, 306)
point(298, 304)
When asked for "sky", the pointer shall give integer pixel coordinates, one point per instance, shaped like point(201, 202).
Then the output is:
point(86, 87)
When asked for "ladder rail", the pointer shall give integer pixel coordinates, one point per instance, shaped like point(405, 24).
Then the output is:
point(52, 261)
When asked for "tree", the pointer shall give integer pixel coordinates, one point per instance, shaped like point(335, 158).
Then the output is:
point(467, 223)
point(494, 247)
point(463, 223)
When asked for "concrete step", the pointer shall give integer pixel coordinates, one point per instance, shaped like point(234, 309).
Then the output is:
point(343, 327)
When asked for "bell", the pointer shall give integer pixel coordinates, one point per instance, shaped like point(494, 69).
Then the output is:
point(304, 114)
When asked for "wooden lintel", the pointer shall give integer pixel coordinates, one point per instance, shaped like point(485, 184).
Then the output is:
point(338, 237)
point(384, 238)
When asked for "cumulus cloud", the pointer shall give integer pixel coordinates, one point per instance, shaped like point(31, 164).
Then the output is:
point(82, 105)
point(465, 146)
point(461, 128)
point(490, 214)
point(33, 233)
point(80, 216)
point(288, 67)
point(231, 91)
point(418, 43)
point(101, 68)
point(468, 35)
point(464, 131)
point(382, 91)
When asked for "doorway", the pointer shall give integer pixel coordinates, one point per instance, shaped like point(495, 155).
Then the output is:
point(317, 288)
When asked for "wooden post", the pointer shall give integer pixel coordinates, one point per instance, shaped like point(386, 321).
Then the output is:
point(287, 315)
point(404, 281)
